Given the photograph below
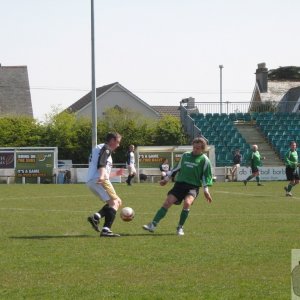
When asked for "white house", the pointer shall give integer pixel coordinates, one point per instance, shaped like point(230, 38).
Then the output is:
point(109, 96)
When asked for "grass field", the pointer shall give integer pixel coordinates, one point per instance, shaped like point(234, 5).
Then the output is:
point(238, 247)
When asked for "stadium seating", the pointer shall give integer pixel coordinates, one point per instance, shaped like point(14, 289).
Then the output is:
point(279, 129)
point(220, 130)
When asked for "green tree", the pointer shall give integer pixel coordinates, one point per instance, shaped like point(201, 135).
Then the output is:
point(59, 132)
point(73, 136)
point(83, 141)
point(20, 131)
point(169, 131)
point(133, 126)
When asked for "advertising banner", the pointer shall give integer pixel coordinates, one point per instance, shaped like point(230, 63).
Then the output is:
point(266, 173)
point(7, 160)
point(33, 164)
point(153, 159)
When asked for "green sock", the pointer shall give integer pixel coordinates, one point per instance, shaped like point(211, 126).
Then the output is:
point(159, 215)
point(257, 179)
point(183, 216)
point(290, 186)
point(249, 178)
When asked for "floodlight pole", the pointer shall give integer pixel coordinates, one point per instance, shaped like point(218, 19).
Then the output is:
point(93, 93)
point(221, 67)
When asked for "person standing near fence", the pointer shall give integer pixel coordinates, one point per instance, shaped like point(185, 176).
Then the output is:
point(164, 168)
point(237, 158)
point(291, 163)
point(130, 163)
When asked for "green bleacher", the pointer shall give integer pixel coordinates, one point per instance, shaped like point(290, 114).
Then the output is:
point(279, 129)
point(220, 131)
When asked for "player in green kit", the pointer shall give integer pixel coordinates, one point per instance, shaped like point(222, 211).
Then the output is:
point(291, 162)
point(194, 171)
point(254, 159)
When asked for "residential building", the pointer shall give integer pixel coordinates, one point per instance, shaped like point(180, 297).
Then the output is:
point(15, 98)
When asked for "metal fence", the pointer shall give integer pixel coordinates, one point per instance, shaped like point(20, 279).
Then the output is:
point(226, 107)
point(229, 107)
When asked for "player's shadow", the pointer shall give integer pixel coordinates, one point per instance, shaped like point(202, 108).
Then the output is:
point(45, 237)
point(146, 234)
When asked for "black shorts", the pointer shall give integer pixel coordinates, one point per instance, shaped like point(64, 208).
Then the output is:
point(291, 174)
point(254, 169)
point(180, 190)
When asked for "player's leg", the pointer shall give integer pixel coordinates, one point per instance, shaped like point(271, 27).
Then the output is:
point(100, 192)
point(187, 203)
point(293, 177)
point(131, 174)
point(161, 213)
point(254, 174)
point(106, 192)
point(110, 215)
point(257, 178)
point(114, 202)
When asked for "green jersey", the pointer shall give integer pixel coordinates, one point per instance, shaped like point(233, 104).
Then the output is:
point(194, 170)
point(254, 159)
point(291, 159)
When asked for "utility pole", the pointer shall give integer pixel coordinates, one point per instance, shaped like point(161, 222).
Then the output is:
point(93, 93)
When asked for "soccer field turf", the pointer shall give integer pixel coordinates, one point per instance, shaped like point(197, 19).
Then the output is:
point(238, 247)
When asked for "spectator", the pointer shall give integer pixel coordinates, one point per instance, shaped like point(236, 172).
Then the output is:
point(130, 162)
point(237, 159)
point(164, 168)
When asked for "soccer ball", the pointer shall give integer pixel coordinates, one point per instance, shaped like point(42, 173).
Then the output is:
point(127, 214)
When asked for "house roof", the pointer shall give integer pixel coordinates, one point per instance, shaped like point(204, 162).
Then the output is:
point(85, 100)
point(168, 110)
point(161, 110)
point(15, 98)
point(277, 89)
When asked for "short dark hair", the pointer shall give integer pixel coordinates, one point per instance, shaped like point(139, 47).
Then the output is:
point(112, 135)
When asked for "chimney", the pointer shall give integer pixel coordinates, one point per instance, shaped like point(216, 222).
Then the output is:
point(190, 102)
point(262, 77)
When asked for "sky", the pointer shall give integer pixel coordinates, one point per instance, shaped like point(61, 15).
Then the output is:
point(161, 50)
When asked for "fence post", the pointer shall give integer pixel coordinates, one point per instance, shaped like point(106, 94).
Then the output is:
point(23, 180)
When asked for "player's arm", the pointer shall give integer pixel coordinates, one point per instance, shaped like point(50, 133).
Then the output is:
point(101, 164)
point(207, 194)
point(288, 162)
point(286, 159)
point(207, 181)
point(119, 172)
